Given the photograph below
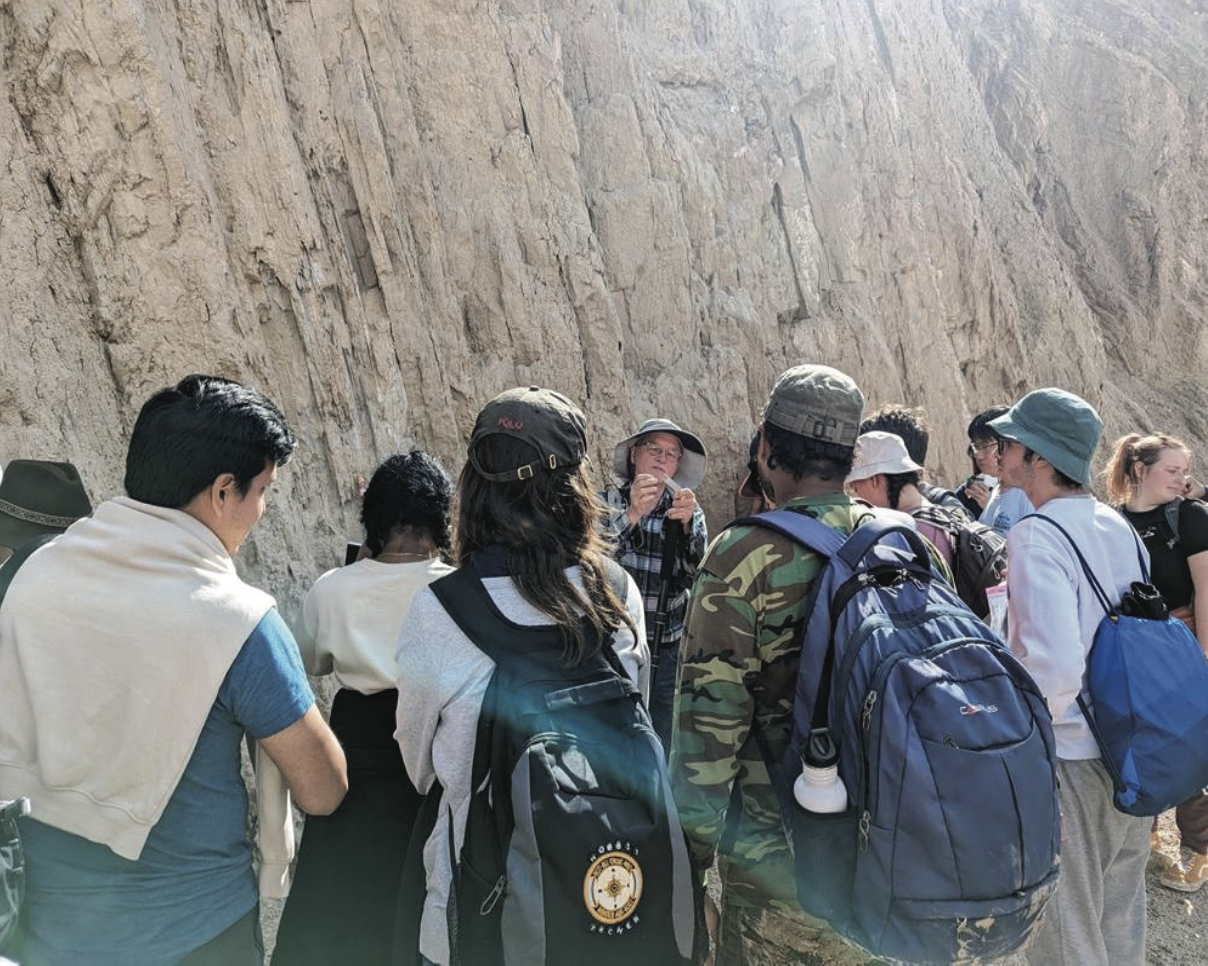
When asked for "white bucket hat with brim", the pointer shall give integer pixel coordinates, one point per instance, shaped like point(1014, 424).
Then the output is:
point(691, 468)
point(879, 452)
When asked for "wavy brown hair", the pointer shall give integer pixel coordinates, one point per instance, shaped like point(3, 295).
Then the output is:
point(1130, 454)
point(544, 524)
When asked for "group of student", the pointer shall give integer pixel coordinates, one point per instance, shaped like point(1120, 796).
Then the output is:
point(133, 661)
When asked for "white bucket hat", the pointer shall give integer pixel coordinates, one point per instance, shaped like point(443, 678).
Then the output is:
point(878, 452)
point(691, 469)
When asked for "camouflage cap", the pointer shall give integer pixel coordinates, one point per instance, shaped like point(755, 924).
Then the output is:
point(544, 419)
point(817, 402)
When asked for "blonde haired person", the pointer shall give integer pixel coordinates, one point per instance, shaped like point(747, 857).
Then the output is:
point(1146, 480)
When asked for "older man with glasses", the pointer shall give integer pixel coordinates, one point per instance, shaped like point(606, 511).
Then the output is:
point(660, 537)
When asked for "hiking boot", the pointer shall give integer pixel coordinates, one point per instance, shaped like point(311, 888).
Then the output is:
point(1187, 876)
point(1158, 861)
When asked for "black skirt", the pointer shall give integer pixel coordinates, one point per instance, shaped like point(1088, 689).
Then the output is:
point(345, 895)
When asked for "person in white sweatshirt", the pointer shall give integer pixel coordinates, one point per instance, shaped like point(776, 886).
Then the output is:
point(133, 662)
point(1048, 441)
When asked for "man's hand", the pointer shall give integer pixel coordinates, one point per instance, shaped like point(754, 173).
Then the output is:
point(1194, 489)
point(979, 491)
point(682, 506)
point(644, 493)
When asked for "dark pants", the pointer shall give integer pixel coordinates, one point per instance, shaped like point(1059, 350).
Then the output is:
point(662, 694)
point(345, 894)
point(1192, 819)
point(240, 945)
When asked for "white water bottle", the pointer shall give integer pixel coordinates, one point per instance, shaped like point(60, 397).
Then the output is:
point(820, 790)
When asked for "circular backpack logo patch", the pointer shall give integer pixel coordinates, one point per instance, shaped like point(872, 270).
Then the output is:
point(612, 887)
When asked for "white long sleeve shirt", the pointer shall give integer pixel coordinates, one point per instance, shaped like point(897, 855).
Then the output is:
point(1053, 612)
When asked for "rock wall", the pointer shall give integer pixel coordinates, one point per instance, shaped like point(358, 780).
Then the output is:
point(382, 212)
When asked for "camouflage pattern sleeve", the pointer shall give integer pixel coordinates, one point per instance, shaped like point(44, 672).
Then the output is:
point(713, 709)
point(738, 666)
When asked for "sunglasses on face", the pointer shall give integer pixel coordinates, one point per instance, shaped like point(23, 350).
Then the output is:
point(983, 449)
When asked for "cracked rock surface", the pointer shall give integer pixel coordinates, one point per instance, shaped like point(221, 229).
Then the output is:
point(382, 212)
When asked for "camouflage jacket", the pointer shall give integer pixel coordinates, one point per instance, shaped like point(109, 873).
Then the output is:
point(740, 656)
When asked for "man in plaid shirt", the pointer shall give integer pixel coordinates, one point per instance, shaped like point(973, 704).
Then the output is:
point(658, 467)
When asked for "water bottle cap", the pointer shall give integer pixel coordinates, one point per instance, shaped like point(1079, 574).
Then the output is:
point(820, 750)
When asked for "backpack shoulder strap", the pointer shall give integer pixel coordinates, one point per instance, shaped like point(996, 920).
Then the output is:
point(472, 609)
point(800, 527)
point(939, 516)
point(1104, 600)
point(1173, 511)
point(475, 612)
point(829, 542)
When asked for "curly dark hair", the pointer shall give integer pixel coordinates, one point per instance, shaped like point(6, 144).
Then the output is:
point(407, 491)
point(910, 424)
point(801, 456)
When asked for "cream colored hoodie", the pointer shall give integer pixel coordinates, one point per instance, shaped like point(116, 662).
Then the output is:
point(114, 640)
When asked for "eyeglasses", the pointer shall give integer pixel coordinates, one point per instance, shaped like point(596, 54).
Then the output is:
point(981, 449)
point(658, 452)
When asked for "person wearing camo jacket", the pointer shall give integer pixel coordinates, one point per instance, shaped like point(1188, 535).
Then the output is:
point(740, 658)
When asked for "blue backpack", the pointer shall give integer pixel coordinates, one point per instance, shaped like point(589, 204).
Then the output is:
point(1148, 687)
point(948, 848)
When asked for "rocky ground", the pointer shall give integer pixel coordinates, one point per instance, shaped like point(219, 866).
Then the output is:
point(1177, 926)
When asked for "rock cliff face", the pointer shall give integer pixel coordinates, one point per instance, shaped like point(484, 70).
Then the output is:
point(382, 212)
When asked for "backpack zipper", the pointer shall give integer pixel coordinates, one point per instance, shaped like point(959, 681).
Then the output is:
point(493, 896)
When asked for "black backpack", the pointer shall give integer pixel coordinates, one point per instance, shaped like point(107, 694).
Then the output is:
point(979, 555)
point(573, 851)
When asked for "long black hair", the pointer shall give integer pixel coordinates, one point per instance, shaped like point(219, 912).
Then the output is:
point(543, 524)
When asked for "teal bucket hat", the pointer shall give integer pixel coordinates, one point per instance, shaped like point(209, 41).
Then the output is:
point(1062, 428)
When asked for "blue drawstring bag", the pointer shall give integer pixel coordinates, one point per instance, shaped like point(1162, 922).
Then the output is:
point(1147, 683)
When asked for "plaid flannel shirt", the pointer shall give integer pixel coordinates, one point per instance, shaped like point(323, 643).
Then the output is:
point(639, 550)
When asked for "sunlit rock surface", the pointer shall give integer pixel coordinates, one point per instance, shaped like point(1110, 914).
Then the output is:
point(382, 212)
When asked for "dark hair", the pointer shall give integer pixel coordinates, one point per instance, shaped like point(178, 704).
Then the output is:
point(407, 491)
point(187, 436)
point(895, 483)
point(801, 456)
point(980, 430)
point(544, 524)
point(1130, 454)
point(1063, 481)
point(910, 424)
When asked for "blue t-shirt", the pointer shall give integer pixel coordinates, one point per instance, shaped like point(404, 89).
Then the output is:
point(1006, 508)
point(84, 903)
